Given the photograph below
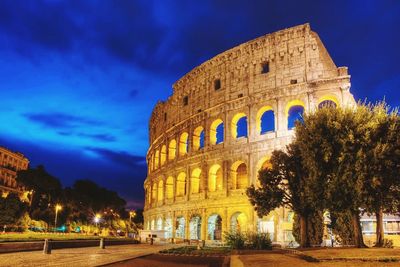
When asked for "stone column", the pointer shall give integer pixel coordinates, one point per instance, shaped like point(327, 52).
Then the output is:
point(204, 225)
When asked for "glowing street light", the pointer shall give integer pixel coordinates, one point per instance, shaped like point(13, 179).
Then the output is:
point(97, 219)
point(57, 208)
point(132, 214)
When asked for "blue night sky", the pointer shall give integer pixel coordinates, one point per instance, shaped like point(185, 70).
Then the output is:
point(78, 79)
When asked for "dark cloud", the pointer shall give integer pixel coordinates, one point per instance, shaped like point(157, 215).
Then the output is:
point(59, 120)
point(99, 137)
point(119, 157)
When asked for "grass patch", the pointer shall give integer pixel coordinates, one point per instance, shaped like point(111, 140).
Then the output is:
point(192, 250)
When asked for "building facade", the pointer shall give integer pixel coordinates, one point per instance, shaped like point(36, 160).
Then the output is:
point(10, 163)
point(217, 130)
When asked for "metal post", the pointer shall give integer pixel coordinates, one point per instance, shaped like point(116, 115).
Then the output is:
point(102, 243)
point(47, 247)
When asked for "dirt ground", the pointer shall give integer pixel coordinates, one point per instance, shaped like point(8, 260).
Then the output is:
point(157, 260)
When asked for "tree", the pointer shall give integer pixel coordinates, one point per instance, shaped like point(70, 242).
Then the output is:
point(47, 191)
point(285, 184)
point(381, 166)
point(341, 224)
point(331, 142)
point(315, 228)
point(11, 210)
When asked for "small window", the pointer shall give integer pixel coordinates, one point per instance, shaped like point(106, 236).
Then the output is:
point(240, 95)
point(217, 84)
point(165, 116)
point(185, 100)
point(265, 68)
point(293, 81)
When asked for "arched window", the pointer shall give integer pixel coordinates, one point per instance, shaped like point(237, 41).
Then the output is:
point(215, 178)
point(153, 193)
point(184, 144)
point(169, 187)
point(239, 125)
point(163, 156)
point(150, 163)
point(265, 120)
point(181, 184)
point(295, 114)
point(239, 175)
point(157, 159)
point(160, 191)
point(195, 181)
point(328, 101)
point(217, 132)
point(198, 138)
point(172, 149)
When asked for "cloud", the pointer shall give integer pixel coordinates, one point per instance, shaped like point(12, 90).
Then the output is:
point(59, 120)
point(99, 137)
point(133, 93)
point(119, 157)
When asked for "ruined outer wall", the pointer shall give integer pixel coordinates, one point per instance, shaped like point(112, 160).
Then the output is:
point(301, 72)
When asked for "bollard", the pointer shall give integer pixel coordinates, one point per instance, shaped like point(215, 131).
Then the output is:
point(151, 241)
point(47, 247)
point(172, 240)
point(102, 243)
point(203, 243)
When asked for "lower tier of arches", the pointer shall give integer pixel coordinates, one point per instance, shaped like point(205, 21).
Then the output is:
point(212, 223)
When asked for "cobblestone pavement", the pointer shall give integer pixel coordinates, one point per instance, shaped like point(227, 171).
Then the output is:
point(71, 257)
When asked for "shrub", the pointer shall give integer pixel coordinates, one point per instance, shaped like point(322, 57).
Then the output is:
point(259, 241)
point(235, 240)
point(387, 243)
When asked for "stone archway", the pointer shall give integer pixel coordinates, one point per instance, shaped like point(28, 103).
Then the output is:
point(195, 227)
point(214, 229)
point(180, 227)
point(239, 222)
point(168, 227)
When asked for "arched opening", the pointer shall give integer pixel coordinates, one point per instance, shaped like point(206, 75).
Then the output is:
point(153, 193)
point(184, 144)
point(163, 156)
point(198, 138)
point(239, 175)
point(239, 125)
point(157, 159)
point(149, 163)
point(265, 120)
point(168, 227)
point(217, 132)
point(169, 187)
point(267, 225)
point(195, 227)
point(172, 149)
point(195, 181)
point(263, 163)
point(160, 190)
point(294, 112)
point(328, 101)
point(159, 224)
point(327, 104)
point(239, 222)
point(180, 227)
point(214, 229)
point(215, 178)
point(152, 225)
point(181, 184)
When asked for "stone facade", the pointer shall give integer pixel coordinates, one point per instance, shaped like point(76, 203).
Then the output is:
point(10, 163)
point(198, 170)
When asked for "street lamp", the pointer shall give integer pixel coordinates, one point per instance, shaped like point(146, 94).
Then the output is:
point(57, 207)
point(97, 219)
point(132, 214)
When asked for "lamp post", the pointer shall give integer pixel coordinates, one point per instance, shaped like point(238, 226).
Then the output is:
point(132, 214)
point(57, 207)
point(97, 219)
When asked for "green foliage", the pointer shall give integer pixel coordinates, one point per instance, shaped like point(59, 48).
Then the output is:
point(11, 210)
point(259, 241)
point(342, 227)
point(387, 243)
point(250, 240)
point(235, 239)
point(315, 228)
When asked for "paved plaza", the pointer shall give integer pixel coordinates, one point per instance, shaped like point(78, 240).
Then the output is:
point(89, 256)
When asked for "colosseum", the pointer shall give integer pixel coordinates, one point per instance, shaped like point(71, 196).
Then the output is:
point(217, 130)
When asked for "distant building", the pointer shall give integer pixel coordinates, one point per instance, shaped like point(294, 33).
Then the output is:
point(10, 163)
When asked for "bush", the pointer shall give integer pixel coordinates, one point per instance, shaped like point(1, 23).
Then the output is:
point(259, 241)
point(235, 240)
point(387, 243)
